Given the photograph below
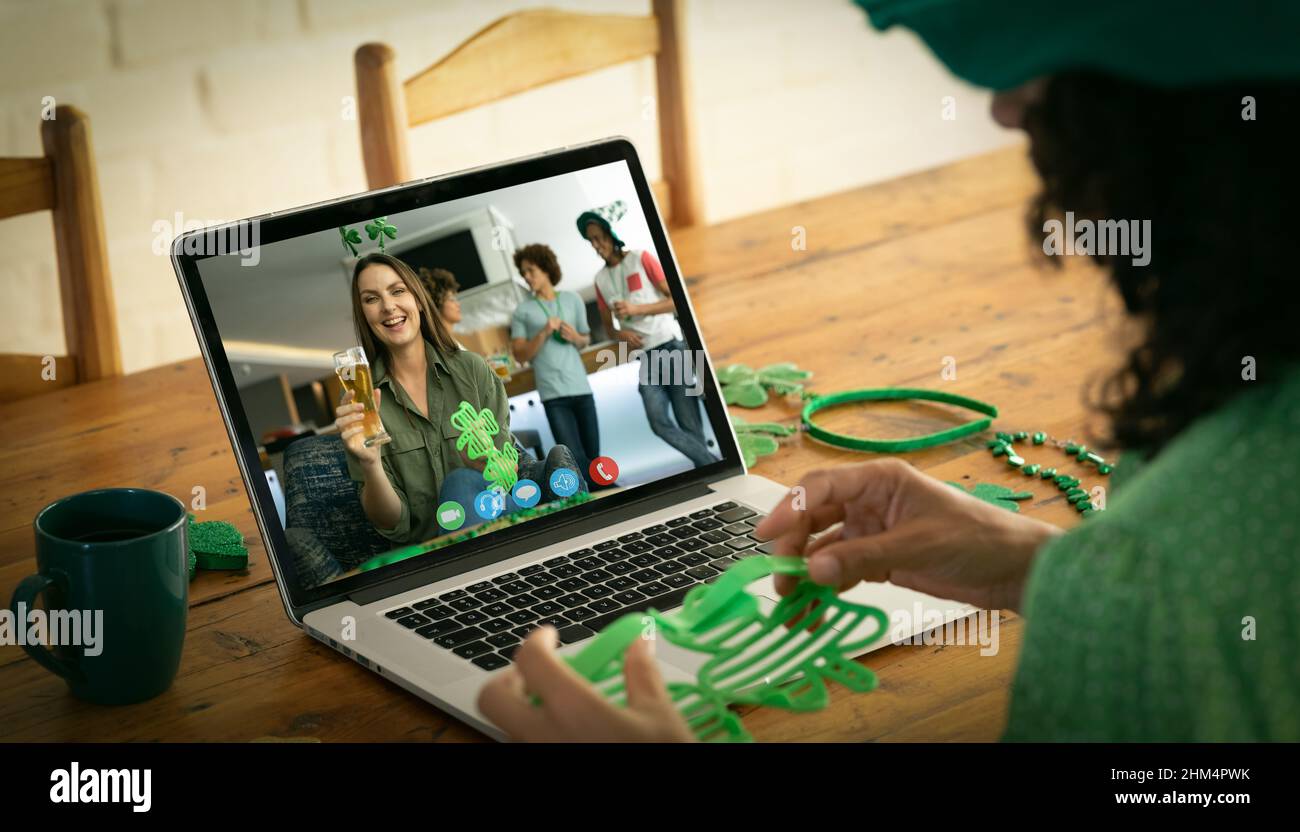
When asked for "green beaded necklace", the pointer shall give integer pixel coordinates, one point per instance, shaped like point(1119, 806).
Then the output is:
point(1003, 445)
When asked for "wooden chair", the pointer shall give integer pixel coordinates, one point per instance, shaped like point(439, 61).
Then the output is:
point(522, 51)
point(63, 182)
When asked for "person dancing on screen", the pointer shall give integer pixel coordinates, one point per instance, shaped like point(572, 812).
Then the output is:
point(420, 378)
point(631, 286)
point(550, 330)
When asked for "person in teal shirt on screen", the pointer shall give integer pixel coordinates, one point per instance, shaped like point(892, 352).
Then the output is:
point(550, 330)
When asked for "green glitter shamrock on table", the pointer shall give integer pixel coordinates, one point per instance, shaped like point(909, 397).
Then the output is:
point(757, 439)
point(747, 387)
point(214, 544)
point(998, 495)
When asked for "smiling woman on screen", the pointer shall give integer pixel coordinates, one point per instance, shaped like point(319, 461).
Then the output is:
point(420, 378)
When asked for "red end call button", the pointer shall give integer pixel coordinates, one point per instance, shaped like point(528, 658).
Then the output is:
point(603, 470)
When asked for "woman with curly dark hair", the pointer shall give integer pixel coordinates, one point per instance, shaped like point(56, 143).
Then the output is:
point(1141, 622)
point(442, 288)
point(550, 330)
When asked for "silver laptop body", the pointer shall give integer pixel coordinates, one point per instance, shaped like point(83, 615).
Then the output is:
point(360, 615)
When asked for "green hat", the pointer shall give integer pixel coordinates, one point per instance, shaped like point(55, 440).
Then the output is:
point(603, 216)
point(1004, 43)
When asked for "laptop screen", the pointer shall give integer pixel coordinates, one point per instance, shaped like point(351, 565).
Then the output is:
point(418, 381)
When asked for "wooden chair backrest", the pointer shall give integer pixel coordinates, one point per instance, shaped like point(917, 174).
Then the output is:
point(64, 182)
point(522, 51)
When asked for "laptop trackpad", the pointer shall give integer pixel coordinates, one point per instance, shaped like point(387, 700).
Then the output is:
point(689, 662)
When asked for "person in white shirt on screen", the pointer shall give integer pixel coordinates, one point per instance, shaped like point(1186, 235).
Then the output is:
point(631, 287)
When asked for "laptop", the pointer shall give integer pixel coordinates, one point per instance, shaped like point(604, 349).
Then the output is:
point(439, 601)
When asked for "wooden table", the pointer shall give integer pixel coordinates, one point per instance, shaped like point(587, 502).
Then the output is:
point(894, 280)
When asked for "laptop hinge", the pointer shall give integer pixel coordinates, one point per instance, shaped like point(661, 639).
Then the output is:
point(558, 534)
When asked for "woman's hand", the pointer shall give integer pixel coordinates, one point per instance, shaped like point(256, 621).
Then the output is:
point(901, 526)
point(553, 325)
point(571, 709)
point(348, 418)
point(479, 464)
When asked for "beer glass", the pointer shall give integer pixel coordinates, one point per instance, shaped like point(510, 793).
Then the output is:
point(354, 372)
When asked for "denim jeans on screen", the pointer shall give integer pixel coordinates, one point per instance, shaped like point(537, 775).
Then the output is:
point(686, 434)
point(573, 422)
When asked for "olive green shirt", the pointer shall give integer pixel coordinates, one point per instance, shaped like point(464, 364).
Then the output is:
point(1174, 615)
point(423, 449)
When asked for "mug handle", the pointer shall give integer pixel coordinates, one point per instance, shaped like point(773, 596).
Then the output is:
point(25, 593)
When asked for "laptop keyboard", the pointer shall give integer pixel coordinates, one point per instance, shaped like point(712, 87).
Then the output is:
point(582, 592)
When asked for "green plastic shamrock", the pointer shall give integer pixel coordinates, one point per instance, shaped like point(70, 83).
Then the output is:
point(756, 439)
point(998, 495)
point(379, 229)
point(754, 658)
point(351, 239)
point(476, 431)
point(747, 387)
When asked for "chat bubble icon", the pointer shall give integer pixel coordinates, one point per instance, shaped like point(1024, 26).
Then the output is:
point(527, 493)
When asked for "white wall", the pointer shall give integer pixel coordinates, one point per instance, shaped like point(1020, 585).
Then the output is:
point(297, 294)
point(220, 110)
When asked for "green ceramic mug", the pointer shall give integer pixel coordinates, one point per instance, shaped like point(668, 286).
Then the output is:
point(112, 567)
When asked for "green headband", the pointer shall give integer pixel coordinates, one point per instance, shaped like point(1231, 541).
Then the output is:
point(1001, 44)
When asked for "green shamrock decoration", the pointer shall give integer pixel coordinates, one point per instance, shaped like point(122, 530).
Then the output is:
point(756, 439)
point(351, 239)
point(747, 387)
point(775, 659)
point(379, 229)
point(998, 495)
point(476, 430)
